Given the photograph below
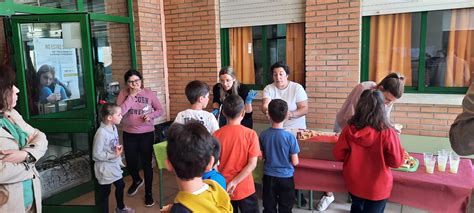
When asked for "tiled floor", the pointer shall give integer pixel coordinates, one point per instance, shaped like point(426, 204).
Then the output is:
point(170, 190)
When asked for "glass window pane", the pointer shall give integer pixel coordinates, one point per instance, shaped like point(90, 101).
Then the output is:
point(271, 31)
point(258, 62)
point(394, 46)
point(110, 7)
point(66, 163)
point(415, 47)
point(281, 30)
point(449, 48)
point(273, 51)
point(54, 71)
point(112, 57)
point(281, 48)
point(62, 4)
point(257, 32)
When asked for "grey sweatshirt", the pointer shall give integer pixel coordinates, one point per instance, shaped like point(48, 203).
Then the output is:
point(461, 134)
point(107, 165)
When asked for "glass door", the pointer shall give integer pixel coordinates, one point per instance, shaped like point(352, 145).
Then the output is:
point(55, 75)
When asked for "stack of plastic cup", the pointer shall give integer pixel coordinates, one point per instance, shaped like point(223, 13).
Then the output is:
point(453, 162)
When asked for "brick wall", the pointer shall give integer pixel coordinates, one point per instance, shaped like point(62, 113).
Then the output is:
point(118, 39)
point(427, 120)
point(332, 57)
point(192, 35)
point(193, 42)
point(148, 37)
point(113, 7)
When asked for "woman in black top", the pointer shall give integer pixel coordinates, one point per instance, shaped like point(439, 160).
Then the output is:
point(230, 85)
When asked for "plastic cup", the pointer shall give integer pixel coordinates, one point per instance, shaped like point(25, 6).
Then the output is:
point(58, 96)
point(430, 164)
point(442, 160)
point(427, 155)
point(454, 163)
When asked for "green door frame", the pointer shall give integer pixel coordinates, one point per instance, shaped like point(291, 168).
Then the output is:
point(82, 120)
point(85, 123)
point(10, 8)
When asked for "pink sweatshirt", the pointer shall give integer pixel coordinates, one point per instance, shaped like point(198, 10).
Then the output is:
point(348, 108)
point(133, 109)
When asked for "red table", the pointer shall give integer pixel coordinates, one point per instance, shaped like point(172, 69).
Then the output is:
point(438, 192)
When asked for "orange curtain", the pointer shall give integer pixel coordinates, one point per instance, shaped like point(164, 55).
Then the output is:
point(460, 54)
point(295, 51)
point(390, 46)
point(241, 54)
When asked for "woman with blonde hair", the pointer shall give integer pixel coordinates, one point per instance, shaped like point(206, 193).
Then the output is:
point(228, 84)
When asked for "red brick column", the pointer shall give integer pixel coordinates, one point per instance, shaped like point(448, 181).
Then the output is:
point(332, 57)
point(148, 37)
point(193, 38)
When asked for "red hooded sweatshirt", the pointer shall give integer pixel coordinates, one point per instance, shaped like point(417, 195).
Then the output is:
point(368, 155)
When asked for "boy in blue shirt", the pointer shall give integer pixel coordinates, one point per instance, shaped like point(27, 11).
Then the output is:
point(280, 150)
point(213, 174)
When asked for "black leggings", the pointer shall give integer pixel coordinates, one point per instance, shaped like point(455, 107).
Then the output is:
point(139, 146)
point(104, 191)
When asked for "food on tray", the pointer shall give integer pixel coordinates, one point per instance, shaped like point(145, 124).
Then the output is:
point(408, 161)
point(303, 134)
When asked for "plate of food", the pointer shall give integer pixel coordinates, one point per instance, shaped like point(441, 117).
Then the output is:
point(410, 164)
point(304, 134)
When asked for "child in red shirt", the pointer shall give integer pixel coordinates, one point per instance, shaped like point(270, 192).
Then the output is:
point(239, 152)
point(369, 147)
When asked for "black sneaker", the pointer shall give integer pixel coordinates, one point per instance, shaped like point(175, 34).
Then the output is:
point(149, 202)
point(134, 188)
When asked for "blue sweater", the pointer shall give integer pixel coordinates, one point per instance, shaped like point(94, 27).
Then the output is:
point(215, 176)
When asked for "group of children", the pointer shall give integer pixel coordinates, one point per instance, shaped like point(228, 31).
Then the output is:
point(240, 150)
point(214, 166)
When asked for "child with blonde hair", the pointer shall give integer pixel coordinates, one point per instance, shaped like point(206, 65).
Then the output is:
point(107, 156)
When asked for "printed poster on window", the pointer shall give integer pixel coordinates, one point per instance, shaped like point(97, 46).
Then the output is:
point(51, 51)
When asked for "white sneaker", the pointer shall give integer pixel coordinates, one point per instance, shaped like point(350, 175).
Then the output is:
point(323, 204)
point(125, 210)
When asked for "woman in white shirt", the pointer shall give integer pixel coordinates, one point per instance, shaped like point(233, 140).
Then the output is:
point(289, 91)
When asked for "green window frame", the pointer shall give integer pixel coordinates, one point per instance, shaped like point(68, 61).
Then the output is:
point(420, 88)
point(9, 8)
point(265, 55)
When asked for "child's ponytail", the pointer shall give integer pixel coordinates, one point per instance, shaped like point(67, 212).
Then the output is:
point(107, 109)
point(393, 83)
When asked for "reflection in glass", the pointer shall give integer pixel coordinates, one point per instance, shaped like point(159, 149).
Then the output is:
point(61, 4)
point(394, 46)
point(112, 57)
point(66, 164)
point(110, 7)
point(277, 43)
point(449, 48)
point(53, 62)
point(257, 55)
